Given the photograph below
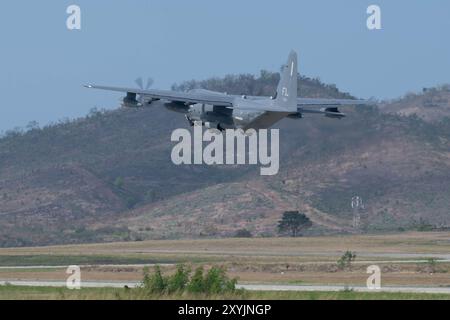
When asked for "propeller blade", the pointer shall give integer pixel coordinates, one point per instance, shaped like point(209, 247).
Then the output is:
point(140, 83)
point(149, 83)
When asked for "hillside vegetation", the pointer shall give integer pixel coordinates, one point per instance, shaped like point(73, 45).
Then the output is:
point(431, 105)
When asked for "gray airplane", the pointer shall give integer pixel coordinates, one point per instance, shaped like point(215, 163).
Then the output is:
point(224, 111)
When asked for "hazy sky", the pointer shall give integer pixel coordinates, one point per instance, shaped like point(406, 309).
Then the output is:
point(43, 65)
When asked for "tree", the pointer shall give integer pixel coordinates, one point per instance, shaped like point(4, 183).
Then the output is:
point(294, 222)
point(32, 125)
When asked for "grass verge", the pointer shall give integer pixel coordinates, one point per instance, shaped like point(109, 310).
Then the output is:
point(9, 292)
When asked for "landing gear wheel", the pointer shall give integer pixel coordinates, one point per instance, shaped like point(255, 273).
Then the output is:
point(191, 123)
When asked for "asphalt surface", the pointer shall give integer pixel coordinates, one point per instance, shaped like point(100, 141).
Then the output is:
point(407, 258)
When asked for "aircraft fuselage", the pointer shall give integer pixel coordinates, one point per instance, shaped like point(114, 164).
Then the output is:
point(217, 118)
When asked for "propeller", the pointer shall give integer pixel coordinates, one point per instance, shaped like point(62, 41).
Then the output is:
point(140, 83)
point(136, 100)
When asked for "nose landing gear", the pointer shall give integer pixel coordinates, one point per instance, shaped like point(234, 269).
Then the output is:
point(191, 123)
point(220, 128)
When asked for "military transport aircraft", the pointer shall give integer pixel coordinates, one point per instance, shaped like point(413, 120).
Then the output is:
point(224, 111)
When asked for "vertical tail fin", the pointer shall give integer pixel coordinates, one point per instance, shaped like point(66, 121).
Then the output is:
point(287, 87)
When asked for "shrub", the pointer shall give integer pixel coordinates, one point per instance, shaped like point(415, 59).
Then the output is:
point(431, 265)
point(243, 233)
point(154, 283)
point(215, 281)
point(178, 281)
point(119, 182)
point(345, 261)
point(196, 284)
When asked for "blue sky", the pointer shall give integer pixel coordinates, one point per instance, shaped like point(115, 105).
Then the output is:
point(43, 65)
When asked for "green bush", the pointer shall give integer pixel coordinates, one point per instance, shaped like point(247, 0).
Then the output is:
point(196, 284)
point(215, 281)
point(154, 283)
point(119, 182)
point(345, 261)
point(178, 281)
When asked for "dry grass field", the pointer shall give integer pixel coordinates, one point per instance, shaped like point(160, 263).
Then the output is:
point(402, 243)
point(409, 259)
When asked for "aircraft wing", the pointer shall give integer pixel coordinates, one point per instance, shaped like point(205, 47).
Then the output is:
point(331, 102)
point(213, 98)
point(186, 97)
point(229, 101)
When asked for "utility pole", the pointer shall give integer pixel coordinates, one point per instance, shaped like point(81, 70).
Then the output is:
point(357, 206)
